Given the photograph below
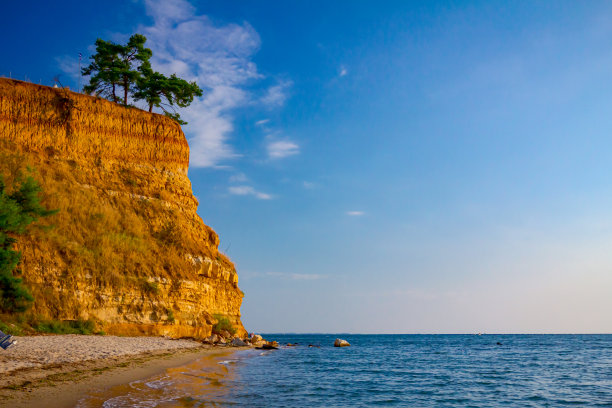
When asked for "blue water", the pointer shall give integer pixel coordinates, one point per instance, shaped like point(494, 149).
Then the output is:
point(406, 371)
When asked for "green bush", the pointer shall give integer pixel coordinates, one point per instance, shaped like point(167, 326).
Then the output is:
point(222, 324)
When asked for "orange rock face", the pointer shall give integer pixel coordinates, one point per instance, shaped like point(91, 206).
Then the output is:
point(127, 248)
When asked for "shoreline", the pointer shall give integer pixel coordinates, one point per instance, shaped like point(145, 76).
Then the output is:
point(67, 382)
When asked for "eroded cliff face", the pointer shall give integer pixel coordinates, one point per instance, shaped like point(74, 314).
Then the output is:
point(127, 248)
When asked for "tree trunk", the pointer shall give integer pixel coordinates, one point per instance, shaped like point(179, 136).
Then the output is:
point(151, 107)
point(125, 92)
point(114, 94)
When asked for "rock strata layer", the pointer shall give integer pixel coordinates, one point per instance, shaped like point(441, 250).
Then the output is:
point(127, 248)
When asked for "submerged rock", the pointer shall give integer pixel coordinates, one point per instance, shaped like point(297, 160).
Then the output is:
point(341, 343)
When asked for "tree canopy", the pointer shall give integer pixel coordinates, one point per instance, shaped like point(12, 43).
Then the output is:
point(18, 209)
point(115, 65)
point(128, 67)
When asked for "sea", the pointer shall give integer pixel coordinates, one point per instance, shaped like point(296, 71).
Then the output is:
point(486, 370)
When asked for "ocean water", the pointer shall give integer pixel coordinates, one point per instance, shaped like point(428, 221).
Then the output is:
point(389, 370)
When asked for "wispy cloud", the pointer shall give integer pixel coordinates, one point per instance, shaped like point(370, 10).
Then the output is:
point(238, 178)
point(276, 95)
point(342, 71)
point(69, 65)
point(355, 213)
point(248, 190)
point(309, 185)
point(282, 148)
point(262, 122)
point(218, 57)
point(296, 276)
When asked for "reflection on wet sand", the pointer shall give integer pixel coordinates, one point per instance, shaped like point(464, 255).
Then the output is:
point(201, 383)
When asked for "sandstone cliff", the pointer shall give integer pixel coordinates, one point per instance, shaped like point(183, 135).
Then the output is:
point(127, 248)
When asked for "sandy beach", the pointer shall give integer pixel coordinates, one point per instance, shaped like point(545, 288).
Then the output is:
point(63, 368)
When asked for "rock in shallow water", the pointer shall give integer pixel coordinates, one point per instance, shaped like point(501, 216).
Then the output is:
point(341, 343)
point(269, 345)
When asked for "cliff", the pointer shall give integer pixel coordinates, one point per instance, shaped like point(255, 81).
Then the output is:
point(127, 248)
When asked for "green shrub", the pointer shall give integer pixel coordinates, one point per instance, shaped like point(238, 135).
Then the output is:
point(11, 329)
point(149, 287)
point(19, 207)
point(222, 324)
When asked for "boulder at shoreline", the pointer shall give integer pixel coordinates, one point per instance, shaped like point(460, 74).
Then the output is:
point(237, 342)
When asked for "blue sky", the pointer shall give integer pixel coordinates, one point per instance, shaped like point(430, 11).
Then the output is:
point(394, 167)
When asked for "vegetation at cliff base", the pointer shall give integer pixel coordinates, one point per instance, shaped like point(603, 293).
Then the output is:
point(66, 327)
point(127, 68)
point(19, 207)
point(31, 323)
point(223, 324)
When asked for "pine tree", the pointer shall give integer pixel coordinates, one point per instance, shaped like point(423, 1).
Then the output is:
point(104, 70)
point(153, 86)
point(115, 65)
point(130, 56)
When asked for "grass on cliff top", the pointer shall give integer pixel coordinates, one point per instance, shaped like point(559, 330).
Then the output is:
point(102, 235)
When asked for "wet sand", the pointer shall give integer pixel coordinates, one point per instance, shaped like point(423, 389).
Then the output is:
point(57, 371)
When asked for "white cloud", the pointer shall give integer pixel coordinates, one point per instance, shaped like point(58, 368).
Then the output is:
point(277, 94)
point(238, 178)
point(342, 71)
point(216, 56)
point(282, 148)
point(262, 122)
point(248, 190)
point(355, 213)
point(309, 185)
